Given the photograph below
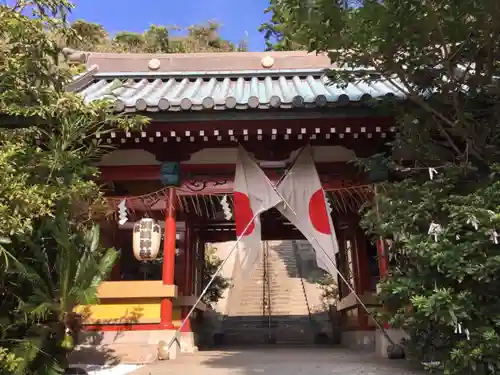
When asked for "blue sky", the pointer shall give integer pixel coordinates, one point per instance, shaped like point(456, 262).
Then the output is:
point(236, 16)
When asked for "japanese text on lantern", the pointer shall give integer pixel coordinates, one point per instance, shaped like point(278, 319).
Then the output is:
point(146, 239)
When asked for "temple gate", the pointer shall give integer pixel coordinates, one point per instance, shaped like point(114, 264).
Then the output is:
point(179, 167)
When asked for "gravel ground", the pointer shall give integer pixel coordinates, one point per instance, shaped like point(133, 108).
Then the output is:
point(279, 361)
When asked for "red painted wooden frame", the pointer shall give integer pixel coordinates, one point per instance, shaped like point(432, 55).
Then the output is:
point(199, 172)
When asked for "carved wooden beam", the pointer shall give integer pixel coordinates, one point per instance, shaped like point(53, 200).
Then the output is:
point(213, 172)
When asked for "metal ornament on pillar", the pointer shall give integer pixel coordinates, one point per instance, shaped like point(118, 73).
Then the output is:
point(146, 239)
point(170, 174)
point(178, 248)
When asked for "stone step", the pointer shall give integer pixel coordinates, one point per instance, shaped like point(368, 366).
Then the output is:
point(288, 310)
point(258, 309)
point(285, 307)
point(299, 327)
point(248, 313)
point(297, 320)
point(241, 327)
point(288, 298)
point(288, 307)
point(245, 319)
point(263, 336)
point(293, 313)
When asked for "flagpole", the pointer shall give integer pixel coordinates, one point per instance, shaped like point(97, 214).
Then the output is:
point(210, 282)
point(349, 286)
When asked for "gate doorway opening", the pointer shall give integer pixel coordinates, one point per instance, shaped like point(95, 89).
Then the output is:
point(281, 301)
point(287, 299)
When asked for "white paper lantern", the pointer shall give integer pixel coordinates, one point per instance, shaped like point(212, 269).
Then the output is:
point(146, 239)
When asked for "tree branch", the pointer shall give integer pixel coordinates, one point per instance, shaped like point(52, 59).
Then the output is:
point(415, 97)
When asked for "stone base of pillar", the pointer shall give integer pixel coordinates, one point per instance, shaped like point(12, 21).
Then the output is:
point(131, 346)
point(187, 342)
point(166, 352)
point(359, 340)
point(382, 344)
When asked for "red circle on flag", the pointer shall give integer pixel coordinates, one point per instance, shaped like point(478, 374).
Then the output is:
point(243, 214)
point(318, 213)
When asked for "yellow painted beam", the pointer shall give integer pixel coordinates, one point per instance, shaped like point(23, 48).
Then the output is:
point(135, 289)
point(139, 312)
point(120, 313)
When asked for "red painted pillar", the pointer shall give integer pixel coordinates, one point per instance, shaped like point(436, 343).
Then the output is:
point(383, 260)
point(168, 265)
point(187, 286)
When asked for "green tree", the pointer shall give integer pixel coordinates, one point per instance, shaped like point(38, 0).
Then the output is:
point(329, 290)
point(220, 284)
point(441, 288)
point(156, 39)
point(279, 34)
point(86, 35)
point(61, 267)
point(49, 260)
point(444, 56)
point(203, 38)
point(126, 41)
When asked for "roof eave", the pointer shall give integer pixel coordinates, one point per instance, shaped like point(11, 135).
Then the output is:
point(211, 74)
point(82, 80)
point(227, 73)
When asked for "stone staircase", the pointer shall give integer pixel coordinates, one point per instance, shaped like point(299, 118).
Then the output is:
point(244, 321)
point(246, 299)
point(287, 319)
point(289, 304)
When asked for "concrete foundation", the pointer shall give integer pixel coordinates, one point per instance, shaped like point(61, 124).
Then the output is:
point(153, 337)
point(359, 340)
point(131, 346)
point(381, 342)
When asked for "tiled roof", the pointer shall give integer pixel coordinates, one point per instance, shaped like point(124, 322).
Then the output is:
point(228, 90)
point(216, 81)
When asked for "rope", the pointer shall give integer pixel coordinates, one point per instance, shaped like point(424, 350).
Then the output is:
point(266, 286)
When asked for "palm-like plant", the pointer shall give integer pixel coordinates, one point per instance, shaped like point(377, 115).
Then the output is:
point(63, 266)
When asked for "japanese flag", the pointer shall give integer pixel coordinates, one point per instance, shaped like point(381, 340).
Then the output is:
point(253, 194)
point(302, 189)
